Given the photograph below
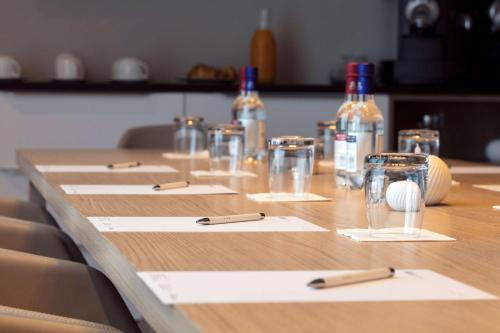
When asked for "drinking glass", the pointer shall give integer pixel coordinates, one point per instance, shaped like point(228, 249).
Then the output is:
point(291, 161)
point(189, 135)
point(418, 141)
point(395, 186)
point(225, 146)
point(326, 140)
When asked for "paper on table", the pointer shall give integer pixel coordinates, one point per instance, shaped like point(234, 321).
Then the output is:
point(268, 197)
point(363, 235)
point(144, 190)
point(291, 286)
point(496, 207)
point(178, 156)
point(492, 187)
point(188, 224)
point(474, 169)
point(206, 173)
point(103, 168)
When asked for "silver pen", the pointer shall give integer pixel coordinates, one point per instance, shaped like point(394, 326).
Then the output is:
point(231, 218)
point(124, 165)
point(351, 278)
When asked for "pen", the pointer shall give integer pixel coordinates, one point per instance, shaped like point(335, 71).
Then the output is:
point(124, 165)
point(351, 278)
point(231, 218)
point(169, 186)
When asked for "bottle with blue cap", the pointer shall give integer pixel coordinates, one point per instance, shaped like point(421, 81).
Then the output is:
point(248, 110)
point(365, 127)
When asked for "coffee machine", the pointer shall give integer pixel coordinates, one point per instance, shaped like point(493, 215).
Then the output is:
point(448, 41)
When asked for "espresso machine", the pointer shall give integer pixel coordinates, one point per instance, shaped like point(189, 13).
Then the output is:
point(448, 41)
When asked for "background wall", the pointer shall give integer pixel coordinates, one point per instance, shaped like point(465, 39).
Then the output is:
point(174, 35)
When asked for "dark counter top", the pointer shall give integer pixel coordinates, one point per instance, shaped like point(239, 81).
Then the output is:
point(146, 87)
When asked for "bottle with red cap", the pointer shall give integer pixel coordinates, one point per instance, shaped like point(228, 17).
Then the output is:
point(351, 96)
point(365, 127)
point(248, 110)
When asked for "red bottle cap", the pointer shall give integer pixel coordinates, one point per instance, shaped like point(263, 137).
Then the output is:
point(351, 69)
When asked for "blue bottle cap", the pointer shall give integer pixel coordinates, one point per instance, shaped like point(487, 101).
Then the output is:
point(366, 69)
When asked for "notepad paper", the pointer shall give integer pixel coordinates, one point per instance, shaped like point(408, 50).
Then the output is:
point(496, 207)
point(474, 169)
point(363, 235)
point(495, 188)
point(188, 224)
point(219, 173)
point(268, 197)
point(143, 190)
point(104, 168)
point(178, 156)
point(291, 286)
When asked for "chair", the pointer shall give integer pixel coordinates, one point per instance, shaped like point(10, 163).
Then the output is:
point(62, 288)
point(148, 137)
point(24, 210)
point(37, 238)
point(15, 320)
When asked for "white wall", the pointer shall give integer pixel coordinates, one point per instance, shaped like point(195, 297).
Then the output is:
point(174, 35)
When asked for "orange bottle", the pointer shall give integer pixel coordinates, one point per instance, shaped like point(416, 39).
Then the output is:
point(263, 50)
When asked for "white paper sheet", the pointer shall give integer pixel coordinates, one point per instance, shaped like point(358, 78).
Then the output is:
point(291, 286)
point(492, 187)
point(363, 235)
point(178, 156)
point(188, 224)
point(103, 168)
point(144, 190)
point(206, 173)
point(496, 207)
point(268, 197)
point(474, 169)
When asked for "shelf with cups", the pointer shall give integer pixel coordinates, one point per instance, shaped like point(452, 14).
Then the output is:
point(145, 87)
point(141, 87)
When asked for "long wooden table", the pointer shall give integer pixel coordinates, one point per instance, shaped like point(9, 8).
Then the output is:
point(466, 215)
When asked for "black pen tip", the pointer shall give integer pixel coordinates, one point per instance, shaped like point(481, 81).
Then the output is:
point(318, 283)
point(262, 214)
point(392, 270)
point(205, 219)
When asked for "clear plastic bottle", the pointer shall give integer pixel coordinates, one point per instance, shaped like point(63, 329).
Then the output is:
point(248, 110)
point(365, 127)
point(350, 101)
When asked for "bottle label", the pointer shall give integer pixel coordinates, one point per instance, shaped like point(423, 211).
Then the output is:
point(340, 151)
point(358, 146)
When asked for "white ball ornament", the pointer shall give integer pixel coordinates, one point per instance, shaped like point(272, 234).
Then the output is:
point(438, 181)
point(404, 196)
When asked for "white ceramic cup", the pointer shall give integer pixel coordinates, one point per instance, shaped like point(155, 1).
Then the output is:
point(130, 69)
point(68, 67)
point(9, 68)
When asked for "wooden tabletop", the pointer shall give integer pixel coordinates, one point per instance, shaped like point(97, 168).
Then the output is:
point(466, 215)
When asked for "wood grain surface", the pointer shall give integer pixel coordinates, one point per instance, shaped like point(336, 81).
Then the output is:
point(466, 215)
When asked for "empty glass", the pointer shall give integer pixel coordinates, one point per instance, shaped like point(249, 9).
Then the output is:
point(395, 186)
point(225, 146)
point(326, 140)
point(418, 141)
point(291, 160)
point(189, 135)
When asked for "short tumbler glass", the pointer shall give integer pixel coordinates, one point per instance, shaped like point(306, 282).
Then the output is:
point(395, 186)
point(225, 146)
point(189, 135)
point(291, 162)
point(418, 141)
point(326, 140)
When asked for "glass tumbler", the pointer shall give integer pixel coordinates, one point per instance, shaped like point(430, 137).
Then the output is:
point(189, 135)
point(418, 141)
point(291, 162)
point(395, 186)
point(326, 139)
point(225, 146)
